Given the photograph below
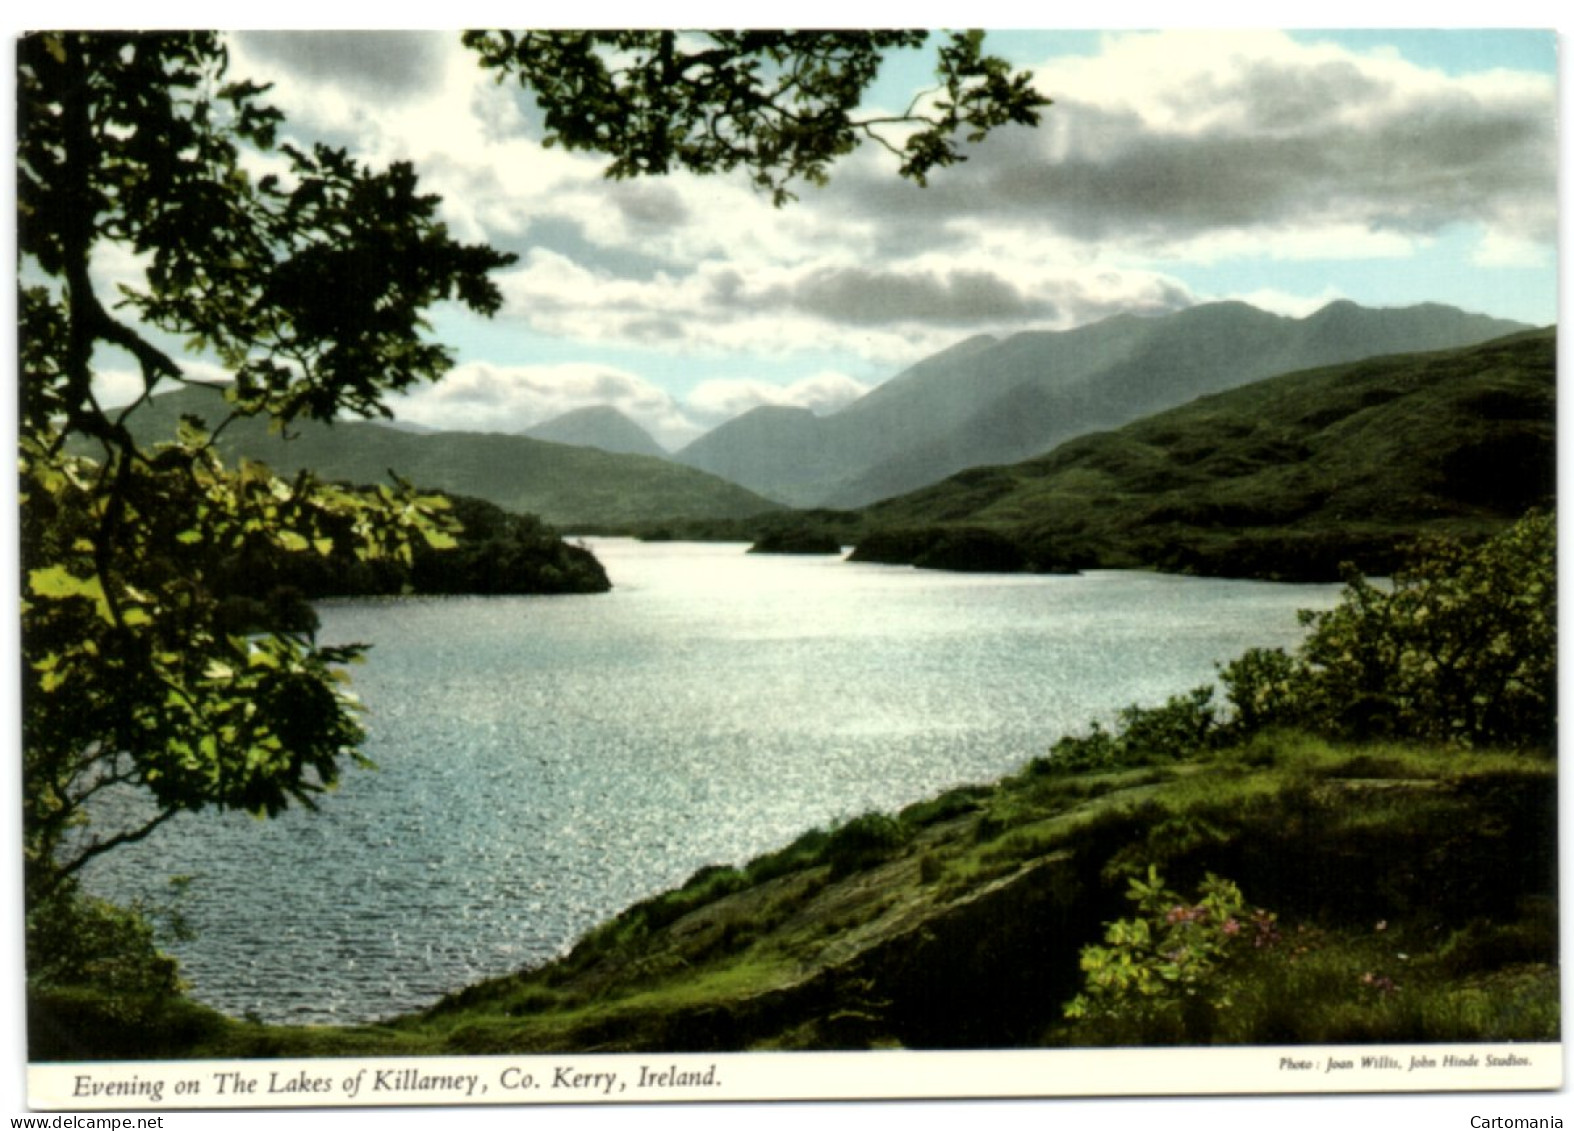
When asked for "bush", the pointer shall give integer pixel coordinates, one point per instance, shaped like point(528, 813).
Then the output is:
point(952, 803)
point(1460, 649)
point(1167, 960)
point(78, 940)
point(1266, 687)
point(1181, 728)
point(863, 842)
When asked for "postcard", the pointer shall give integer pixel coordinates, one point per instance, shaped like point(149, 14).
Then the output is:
point(650, 567)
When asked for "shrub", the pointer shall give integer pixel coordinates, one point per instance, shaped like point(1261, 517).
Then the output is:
point(1183, 726)
point(952, 803)
point(1166, 960)
point(862, 842)
point(78, 940)
point(1266, 687)
point(805, 852)
point(1461, 648)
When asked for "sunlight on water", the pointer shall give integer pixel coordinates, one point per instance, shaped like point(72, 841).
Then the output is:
point(544, 762)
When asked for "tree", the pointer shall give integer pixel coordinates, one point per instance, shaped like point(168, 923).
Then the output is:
point(1460, 647)
point(308, 284)
point(781, 104)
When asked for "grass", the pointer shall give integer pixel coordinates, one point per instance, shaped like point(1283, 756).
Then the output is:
point(1382, 983)
point(959, 921)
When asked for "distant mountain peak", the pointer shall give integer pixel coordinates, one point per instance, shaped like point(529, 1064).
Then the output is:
point(984, 401)
point(966, 346)
point(778, 412)
point(598, 426)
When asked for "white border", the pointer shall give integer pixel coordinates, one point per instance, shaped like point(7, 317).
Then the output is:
point(661, 1078)
point(1457, 1109)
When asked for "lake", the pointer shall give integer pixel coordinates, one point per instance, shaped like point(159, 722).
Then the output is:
point(545, 762)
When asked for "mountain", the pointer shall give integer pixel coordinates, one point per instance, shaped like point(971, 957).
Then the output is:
point(598, 426)
point(990, 402)
point(1284, 477)
point(567, 486)
point(789, 453)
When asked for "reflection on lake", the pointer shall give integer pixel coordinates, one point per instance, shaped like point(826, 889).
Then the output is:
point(544, 762)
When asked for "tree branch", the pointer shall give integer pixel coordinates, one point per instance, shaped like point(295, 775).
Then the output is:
point(97, 848)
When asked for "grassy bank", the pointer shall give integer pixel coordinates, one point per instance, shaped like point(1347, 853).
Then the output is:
point(1413, 893)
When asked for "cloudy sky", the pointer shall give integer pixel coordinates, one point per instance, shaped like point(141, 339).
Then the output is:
point(1173, 168)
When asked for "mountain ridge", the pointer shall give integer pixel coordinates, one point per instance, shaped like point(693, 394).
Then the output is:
point(986, 402)
point(568, 486)
point(1286, 477)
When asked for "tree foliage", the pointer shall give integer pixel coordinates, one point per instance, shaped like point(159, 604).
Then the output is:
point(495, 553)
point(308, 284)
point(305, 274)
point(1460, 647)
point(783, 105)
point(1168, 958)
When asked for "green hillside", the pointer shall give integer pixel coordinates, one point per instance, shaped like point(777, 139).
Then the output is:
point(494, 553)
point(1282, 478)
point(985, 402)
point(567, 486)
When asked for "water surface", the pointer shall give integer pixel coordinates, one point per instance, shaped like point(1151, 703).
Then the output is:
point(544, 762)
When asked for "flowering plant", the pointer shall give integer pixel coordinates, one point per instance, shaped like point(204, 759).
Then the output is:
point(1170, 953)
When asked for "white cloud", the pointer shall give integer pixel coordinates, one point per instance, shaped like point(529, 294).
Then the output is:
point(117, 381)
point(890, 316)
point(482, 397)
point(496, 398)
point(1497, 249)
point(1163, 151)
point(1167, 138)
point(1285, 303)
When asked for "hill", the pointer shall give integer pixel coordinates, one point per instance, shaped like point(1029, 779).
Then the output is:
point(986, 401)
point(782, 452)
point(495, 553)
point(1283, 478)
point(567, 486)
point(598, 426)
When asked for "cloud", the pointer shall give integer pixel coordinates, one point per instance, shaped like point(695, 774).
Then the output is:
point(1498, 250)
point(890, 316)
point(1165, 140)
point(649, 204)
point(482, 397)
point(117, 380)
point(379, 64)
point(861, 296)
point(418, 97)
point(478, 396)
point(1288, 304)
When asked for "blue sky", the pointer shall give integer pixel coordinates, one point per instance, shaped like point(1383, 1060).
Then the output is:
point(1286, 169)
